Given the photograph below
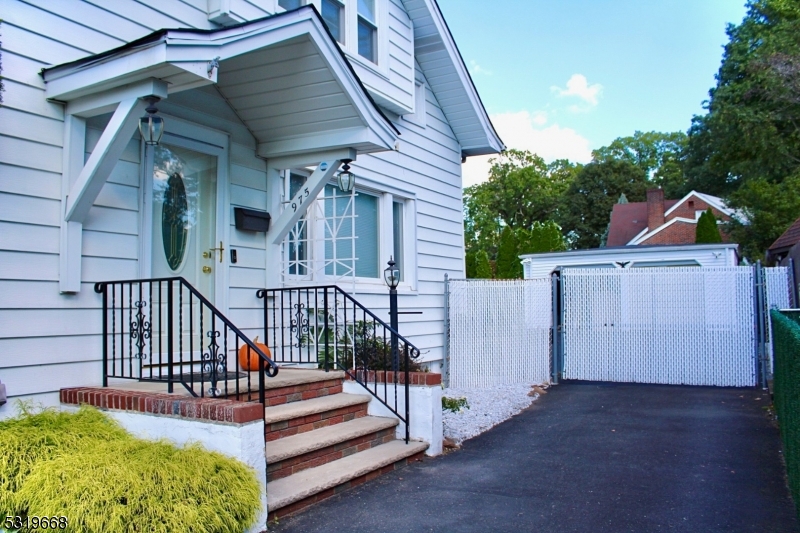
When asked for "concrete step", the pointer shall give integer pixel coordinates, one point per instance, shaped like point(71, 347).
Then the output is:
point(290, 494)
point(299, 417)
point(291, 455)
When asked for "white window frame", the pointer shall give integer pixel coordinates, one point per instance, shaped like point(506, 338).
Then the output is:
point(419, 116)
point(276, 8)
point(386, 198)
point(350, 45)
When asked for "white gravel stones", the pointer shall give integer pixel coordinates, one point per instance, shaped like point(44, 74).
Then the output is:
point(487, 408)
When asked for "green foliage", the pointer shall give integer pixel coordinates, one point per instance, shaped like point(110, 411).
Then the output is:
point(521, 189)
point(471, 264)
point(786, 350)
point(373, 352)
point(87, 468)
point(540, 238)
point(454, 405)
point(31, 438)
point(707, 231)
point(657, 154)
point(483, 269)
point(509, 265)
point(592, 195)
point(769, 208)
point(748, 144)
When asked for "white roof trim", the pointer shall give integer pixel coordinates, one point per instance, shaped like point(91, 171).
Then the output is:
point(493, 143)
point(707, 198)
point(184, 58)
point(641, 238)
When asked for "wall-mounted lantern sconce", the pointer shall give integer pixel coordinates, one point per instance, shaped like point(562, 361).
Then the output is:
point(347, 179)
point(151, 127)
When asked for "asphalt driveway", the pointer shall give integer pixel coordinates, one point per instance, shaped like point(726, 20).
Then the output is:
point(589, 457)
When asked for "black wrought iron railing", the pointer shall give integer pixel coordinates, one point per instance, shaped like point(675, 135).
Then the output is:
point(165, 330)
point(326, 328)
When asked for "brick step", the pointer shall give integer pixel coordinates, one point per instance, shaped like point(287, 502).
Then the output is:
point(289, 419)
point(291, 455)
point(290, 494)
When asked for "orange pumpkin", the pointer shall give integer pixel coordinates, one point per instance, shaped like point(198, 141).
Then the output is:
point(248, 358)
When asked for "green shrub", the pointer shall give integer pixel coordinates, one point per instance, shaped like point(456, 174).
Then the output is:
point(85, 467)
point(372, 352)
point(32, 437)
point(483, 268)
point(454, 404)
point(707, 231)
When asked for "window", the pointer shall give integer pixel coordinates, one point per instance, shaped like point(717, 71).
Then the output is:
point(397, 237)
point(288, 5)
point(355, 243)
point(367, 30)
point(332, 12)
point(298, 236)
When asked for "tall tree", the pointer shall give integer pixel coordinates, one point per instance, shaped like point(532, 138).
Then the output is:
point(591, 197)
point(657, 154)
point(540, 238)
point(521, 189)
point(483, 269)
point(748, 143)
point(509, 265)
point(707, 231)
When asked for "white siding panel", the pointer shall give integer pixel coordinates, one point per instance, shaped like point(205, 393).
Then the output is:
point(28, 266)
point(24, 70)
point(84, 14)
point(27, 238)
point(48, 350)
point(30, 182)
point(29, 210)
point(35, 46)
point(30, 154)
point(45, 295)
point(52, 378)
point(31, 127)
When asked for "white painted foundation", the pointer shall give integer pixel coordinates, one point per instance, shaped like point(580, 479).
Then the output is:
point(425, 403)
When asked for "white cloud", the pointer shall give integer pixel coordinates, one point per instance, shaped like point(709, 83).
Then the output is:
point(524, 131)
point(477, 69)
point(579, 87)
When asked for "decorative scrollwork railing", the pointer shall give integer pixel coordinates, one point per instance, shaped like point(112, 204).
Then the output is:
point(327, 328)
point(165, 330)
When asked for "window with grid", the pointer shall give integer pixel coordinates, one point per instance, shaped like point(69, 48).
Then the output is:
point(367, 30)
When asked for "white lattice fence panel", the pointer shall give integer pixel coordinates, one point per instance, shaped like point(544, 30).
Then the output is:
point(499, 332)
point(688, 326)
point(778, 292)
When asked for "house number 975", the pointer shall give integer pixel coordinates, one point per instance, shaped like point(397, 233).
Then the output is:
point(299, 201)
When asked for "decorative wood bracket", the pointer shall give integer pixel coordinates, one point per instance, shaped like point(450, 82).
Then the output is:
point(298, 205)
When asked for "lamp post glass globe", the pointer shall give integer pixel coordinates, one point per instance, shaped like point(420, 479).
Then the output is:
point(151, 127)
point(346, 178)
point(391, 275)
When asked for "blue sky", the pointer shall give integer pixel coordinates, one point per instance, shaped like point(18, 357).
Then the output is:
point(563, 77)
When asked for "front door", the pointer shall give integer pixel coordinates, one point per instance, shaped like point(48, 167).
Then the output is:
point(185, 241)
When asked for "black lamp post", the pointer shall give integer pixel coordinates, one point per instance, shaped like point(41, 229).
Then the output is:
point(391, 275)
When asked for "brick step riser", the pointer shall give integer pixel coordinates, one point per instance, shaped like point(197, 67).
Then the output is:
point(324, 495)
point(295, 393)
point(287, 428)
point(293, 465)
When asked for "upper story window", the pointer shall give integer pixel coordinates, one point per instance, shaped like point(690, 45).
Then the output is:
point(356, 25)
point(288, 5)
point(367, 30)
point(333, 15)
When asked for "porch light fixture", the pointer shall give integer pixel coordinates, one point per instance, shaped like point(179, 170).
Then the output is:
point(347, 179)
point(391, 275)
point(151, 127)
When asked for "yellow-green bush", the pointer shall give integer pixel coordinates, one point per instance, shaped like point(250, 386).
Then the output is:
point(86, 468)
point(34, 437)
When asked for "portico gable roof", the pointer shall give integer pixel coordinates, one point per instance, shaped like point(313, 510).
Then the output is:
point(283, 75)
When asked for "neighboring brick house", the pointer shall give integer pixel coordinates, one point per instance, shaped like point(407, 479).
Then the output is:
point(786, 248)
point(660, 221)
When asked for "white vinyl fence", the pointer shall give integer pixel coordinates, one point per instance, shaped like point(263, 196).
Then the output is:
point(778, 292)
point(499, 332)
point(690, 326)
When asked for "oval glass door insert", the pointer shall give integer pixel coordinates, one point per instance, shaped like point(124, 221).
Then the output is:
point(174, 230)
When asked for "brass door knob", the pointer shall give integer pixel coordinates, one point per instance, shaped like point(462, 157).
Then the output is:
point(206, 270)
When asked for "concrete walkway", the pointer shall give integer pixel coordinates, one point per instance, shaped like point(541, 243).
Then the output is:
point(589, 457)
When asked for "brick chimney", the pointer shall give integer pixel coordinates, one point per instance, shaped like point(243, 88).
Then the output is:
point(655, 208)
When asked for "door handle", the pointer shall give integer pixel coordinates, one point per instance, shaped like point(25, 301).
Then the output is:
point(206, 270)
point(220, 250)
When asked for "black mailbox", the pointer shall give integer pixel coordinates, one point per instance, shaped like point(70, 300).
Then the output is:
point(251, 219)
